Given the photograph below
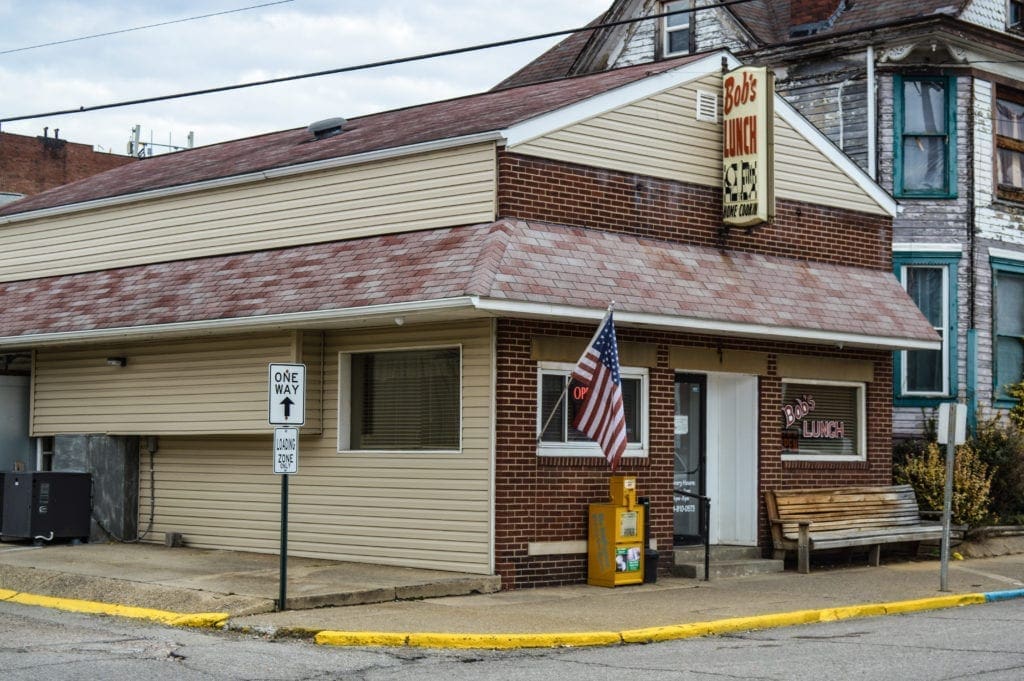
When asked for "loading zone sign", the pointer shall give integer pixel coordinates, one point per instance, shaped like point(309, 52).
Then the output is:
point(287, 394)
point(286, 450)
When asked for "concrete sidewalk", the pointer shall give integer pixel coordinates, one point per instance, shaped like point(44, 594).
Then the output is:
point(445, 608)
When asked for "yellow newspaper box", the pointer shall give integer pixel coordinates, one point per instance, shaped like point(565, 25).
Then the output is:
point(615, 546)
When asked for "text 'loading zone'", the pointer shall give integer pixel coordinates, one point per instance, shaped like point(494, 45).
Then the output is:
point(287, 399)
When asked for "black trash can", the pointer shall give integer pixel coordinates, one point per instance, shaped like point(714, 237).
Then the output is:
point(650, 555)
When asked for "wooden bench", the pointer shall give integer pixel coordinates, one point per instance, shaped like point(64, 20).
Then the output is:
point(808, 519)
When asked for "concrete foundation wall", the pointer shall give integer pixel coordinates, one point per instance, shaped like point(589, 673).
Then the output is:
point(114, 465)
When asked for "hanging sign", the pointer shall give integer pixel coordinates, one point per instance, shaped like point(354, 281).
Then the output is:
point(748, 163)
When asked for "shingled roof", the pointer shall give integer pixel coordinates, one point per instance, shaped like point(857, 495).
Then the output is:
point(509, 261)
point(486, 112)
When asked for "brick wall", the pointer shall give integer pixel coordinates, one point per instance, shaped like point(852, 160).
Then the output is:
point(539, 499)
point(29, 165)
point(540, 189)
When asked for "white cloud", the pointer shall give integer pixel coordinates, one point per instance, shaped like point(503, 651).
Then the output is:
point(283, 40)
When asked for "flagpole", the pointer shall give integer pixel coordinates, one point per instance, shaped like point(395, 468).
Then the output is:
point(565, 390)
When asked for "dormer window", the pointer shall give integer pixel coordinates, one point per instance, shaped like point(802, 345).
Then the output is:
point(675, 29)
point(1015, 14)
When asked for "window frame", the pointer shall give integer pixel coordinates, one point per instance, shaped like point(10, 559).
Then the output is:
point(862, 430)
point(1005, 192)
point(667, 30)
point(1019, 6)
point(899, 110)
point(949, 261)
point(634, 450)
point(1015, 268)
point(345, 399)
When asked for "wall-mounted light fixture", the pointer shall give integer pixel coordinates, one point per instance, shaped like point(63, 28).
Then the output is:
point(117, 361)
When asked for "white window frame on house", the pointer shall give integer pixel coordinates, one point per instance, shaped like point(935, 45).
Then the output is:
point(678, 23)
point(861, 392)
point(345, 399)
point(941, 328)
point(634, 449)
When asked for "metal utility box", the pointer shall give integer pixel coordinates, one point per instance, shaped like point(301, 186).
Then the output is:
point(615, 546)
point(46, 505)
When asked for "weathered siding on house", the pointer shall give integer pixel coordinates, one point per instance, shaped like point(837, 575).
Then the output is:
point(436, 189)
point(409, 509)
point(209, 386)
point(650, 138)
point(832, 95)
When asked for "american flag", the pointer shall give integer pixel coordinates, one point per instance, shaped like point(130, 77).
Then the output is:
point(602, 417)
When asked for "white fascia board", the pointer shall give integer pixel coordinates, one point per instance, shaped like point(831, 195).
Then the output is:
point(1005, 254)
point(357, 316)
point(258, 176)
point(643, 88)
point(462, 307)
point(909, 247)
point(822, 143)
point(707, 326)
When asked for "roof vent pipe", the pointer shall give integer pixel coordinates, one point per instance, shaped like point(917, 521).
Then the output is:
point(329, 127)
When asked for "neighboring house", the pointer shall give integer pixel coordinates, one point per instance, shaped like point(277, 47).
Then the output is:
point(928, 97)
point(439, 269)
point(29, 165)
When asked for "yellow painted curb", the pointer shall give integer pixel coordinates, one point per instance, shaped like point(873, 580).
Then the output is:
point(512, 641)
point(203, 619)
point(646, 635)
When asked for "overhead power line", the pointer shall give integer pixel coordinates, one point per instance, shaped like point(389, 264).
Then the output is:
point(363, 67)
point(140, 28)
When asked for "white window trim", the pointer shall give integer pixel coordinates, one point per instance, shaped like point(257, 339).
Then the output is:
point(862, 444)
point(666, 30)
point(345, 400)
point(634, 450)
point(943, 332)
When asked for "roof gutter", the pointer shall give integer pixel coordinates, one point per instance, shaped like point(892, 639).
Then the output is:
point(463, 307)
point(258, 176)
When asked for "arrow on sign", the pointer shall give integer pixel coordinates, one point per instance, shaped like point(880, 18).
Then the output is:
point(287, 402)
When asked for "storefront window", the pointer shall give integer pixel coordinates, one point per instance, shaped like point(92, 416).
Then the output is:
point(822, 420)
point(558, 406)
point(402, 400)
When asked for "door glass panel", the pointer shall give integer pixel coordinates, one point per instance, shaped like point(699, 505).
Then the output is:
point(689, 460)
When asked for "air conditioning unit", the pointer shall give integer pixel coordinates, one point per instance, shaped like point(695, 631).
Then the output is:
point(46, 505)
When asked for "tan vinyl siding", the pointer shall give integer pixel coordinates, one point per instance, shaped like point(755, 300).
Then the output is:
point(410, 509)
point(661, 137)
point(802, 173)
point(214, 385)
point(425, 191)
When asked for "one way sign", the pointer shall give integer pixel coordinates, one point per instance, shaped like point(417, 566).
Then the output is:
point(287, 394)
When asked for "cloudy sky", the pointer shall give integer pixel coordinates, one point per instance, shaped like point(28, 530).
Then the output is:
point(275, 40)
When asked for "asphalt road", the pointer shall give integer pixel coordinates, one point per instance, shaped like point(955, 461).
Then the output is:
point(977, 642)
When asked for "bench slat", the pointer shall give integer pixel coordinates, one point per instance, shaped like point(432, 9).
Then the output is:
point(846, 517)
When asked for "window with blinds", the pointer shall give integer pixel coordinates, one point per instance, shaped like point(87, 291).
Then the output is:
point(823, 420)
point(404, 400)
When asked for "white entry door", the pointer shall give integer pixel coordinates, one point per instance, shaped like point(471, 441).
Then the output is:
point(732, 458)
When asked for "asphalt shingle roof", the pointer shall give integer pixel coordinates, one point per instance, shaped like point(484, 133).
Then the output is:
point(486, 112)
point(509, 260)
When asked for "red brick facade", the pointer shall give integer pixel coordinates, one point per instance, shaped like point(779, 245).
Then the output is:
point(546, 500)
point(538, 189)
point(30, 165)
point(541, 499)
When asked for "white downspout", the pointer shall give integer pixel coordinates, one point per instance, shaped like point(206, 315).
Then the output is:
point(872, 115)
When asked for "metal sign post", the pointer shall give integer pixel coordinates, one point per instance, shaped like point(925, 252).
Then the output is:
point(286, 407)
point(952, 431)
